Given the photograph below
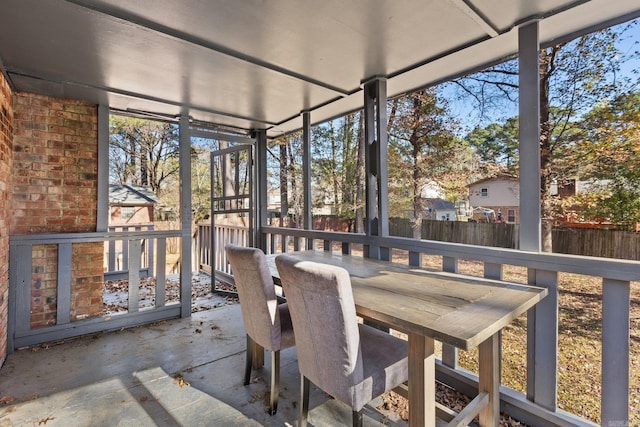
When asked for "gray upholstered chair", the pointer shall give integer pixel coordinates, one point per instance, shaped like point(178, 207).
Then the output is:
point(352, 362)
point(266, 321)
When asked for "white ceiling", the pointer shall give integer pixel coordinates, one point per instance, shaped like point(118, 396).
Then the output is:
point(257, 64)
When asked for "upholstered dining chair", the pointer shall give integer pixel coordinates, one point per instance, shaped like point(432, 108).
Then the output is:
point(266, 321)
point(352, 362)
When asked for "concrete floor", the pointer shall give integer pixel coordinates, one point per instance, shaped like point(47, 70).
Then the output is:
point(132, 378)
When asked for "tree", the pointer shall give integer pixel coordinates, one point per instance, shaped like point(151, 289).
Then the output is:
point(142, 152)
point(610, 150)
point(496, 146)
point(573, 76)
point(423, 150)
point(285, 170)
point(337, 175)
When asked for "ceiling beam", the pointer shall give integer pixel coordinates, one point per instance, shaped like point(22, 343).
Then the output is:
point(140, 21)
point(479, 18)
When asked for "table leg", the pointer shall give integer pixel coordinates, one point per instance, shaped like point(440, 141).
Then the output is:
point(422, 381)
point(489, 366)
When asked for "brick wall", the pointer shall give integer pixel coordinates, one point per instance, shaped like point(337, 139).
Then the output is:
point(54, 177)
point(6, 132)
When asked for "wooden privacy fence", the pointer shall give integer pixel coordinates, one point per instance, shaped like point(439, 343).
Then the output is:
point(470, 233)
point(576, 241)
point(594, 242)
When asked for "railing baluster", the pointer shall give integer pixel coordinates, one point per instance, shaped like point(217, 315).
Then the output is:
point(415, 259)
point(111, 263)
point(135, 246)
point(63, 299)
point(542, 335)
point(22, 258)
point(125, 252)
point(385, 254)
point(346, 248)
point(161, 280)
point(449, 264)
point(615, 353)
point(493, 271)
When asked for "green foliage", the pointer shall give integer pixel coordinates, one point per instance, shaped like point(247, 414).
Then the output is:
point(424, 151)
point(496, 146)
point(610, 151)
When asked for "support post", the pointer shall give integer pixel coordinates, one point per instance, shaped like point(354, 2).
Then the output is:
point(261, 187)
point(529, 146)
point(102, 220)
point(376, 174)
point(185, 217)
point(542, 333)
point(306, 174)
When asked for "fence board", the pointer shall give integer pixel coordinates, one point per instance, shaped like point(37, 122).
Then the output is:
point(576, 241)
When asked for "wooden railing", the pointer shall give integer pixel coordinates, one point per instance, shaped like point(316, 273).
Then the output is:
point(539, 406)
point(63, 273)
point(222, 234)
point(117, 253)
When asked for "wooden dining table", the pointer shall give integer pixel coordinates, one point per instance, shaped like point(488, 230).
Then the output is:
point(460, 310)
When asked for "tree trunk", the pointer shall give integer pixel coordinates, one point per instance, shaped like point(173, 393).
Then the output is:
point(416, 224)
point(284, 204)
point(360, 179)
point(546, 70)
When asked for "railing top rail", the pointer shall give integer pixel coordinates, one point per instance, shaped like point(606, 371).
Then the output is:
point(33, 239)
point(616, 269)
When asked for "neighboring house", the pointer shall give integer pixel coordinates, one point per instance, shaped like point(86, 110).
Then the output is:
point(500, 194)
point(131, 204)
point(439, 209)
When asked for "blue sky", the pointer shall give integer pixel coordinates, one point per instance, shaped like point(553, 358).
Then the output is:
point(468, 116)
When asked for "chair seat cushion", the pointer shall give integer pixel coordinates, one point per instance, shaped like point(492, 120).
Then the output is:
point(384, 360)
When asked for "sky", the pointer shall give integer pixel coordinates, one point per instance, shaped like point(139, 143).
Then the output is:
point(468, 116)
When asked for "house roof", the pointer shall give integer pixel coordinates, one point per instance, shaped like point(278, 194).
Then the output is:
point(440, 204)
point(260, 64)
point(131, 195)
point(502, 177)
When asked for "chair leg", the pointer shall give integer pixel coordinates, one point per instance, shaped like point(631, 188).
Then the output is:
point(275, 381)
point(357, 418)
point(248, 361)
point(304, 401)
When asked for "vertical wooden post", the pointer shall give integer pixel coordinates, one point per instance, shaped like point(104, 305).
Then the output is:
point(376, 174)
point(615, 352)
point(185, 217)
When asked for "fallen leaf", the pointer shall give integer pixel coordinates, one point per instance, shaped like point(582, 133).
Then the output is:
point(5, 400)
point(46, 419)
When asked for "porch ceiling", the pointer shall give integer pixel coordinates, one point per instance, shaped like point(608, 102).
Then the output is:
point(259, 64)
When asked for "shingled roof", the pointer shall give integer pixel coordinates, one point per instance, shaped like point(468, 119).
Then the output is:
point(131, 195)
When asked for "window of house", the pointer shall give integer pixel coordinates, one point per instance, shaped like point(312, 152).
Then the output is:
point(511, 215)
point(484, 192)
point(126, 212)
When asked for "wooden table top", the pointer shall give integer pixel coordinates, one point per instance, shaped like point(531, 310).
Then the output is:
point(452, 308)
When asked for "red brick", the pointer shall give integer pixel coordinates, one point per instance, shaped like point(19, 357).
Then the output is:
point(54, 165)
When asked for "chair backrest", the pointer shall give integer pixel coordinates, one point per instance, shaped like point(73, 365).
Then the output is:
point(324, 322)
point(257, 295)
